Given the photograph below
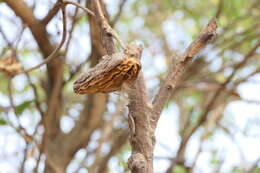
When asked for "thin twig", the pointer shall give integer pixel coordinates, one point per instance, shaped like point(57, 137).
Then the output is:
point(10, 95)
point(5, 38)
point(38, 160)
point(74, 21)
point(18, 40)
point(219, 9)
point(116, 146)
point(36, 100)
point(121, 6)
point(24, 157)
point(20, 130)
point(80, 6)
point(54, 53)
point(254, 166)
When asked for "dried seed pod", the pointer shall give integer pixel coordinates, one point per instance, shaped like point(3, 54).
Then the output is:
point(111, 73)
point(10, 66)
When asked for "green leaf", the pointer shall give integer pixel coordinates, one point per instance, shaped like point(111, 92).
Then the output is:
point(2, 122)
point(4, 84)
point(179, 169)
point(19, 109)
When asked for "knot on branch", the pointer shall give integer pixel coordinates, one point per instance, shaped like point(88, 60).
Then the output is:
point(137, 163)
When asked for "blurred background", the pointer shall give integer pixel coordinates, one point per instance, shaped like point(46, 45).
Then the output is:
point(42, 119)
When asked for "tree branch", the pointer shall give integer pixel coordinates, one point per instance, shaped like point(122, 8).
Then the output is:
point(121, 6)
point(88, 11)
point(56, 8)
point(56, 50)
point(52, 12)
point(91, 116)
point(38, 30)
point(173, 78)
point(106, 38)
point(209, 106)
point(141, 133)
point(117, 145)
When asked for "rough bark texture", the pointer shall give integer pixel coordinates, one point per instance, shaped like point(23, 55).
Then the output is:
point(59, 148)
point(144, 116)
point(141, 133)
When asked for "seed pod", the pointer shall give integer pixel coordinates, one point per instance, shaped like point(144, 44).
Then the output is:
point(111, 73)
point(10, 66)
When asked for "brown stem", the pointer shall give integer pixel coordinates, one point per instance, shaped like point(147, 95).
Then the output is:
point(80, 6)
point(174, 77)
point(56, 50)
point(52, 12)
point(141, 133)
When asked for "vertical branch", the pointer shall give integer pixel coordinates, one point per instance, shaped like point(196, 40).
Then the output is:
point(27, 138)
point(73, 24)
point(141, 133)
point(55, 91)
point(142, 137)
point(106, 37)
point(220, 8)
point(143, 116)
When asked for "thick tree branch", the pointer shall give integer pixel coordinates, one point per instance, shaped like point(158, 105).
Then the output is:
point(52, 12)
point(55, 76)
point(92, 115)
point(142, 137)
point(141, 133)
point(106, 34)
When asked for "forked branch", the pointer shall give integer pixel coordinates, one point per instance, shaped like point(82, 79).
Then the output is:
point(107, 30)
point(144, 117)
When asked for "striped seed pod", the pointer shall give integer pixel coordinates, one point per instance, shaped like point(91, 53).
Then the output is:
point(111, 73)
